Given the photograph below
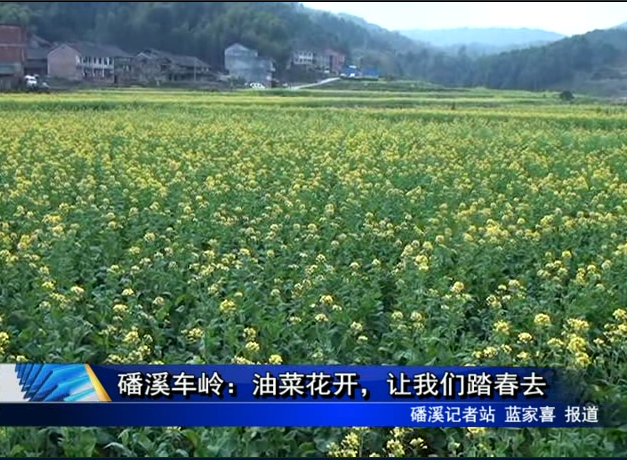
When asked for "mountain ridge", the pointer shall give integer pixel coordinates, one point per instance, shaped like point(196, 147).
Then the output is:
point(498, 37)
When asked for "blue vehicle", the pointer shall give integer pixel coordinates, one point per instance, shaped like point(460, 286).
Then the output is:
point(371, 74)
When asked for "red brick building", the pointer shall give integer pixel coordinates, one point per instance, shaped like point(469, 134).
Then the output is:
point(13, 42)
point(336, 60)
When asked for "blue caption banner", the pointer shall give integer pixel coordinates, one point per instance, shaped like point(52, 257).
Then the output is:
point(272, 395)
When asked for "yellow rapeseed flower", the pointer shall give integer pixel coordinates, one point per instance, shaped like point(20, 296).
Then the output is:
point(77, 291)
point(195, 334)
point(542, 319)
point(250, 333)
point(555, 343)
point(326, 300)
point(397, 316)
point(158, 301)
point(395, 448)
point(506, 349)
point(576, 343)
point(48, 285)
point(476, 431)
point(227, 305)
point(131, 337)
point(321, 318)
point(525, 337)
point(490, 352)
point(582, 359)
point(252, 347)
point(493, 302)
point(418, 443)
point(356, 326)
point(577, 325)
point(620, 314)
point(120, 308)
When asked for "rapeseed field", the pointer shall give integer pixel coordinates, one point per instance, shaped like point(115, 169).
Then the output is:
point(148, 227)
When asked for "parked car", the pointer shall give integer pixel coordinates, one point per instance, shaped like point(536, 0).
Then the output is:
point(34, 83)
point(256, 85)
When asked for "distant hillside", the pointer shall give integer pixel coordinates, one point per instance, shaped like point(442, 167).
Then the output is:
point(573, 62)
point(481, 49)
point(495, 39)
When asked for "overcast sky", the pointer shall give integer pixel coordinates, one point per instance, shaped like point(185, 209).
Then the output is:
point(566, 18)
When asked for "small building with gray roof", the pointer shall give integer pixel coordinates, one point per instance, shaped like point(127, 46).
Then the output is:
point(88, 61)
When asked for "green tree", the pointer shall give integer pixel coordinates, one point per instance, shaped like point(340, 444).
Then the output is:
point(566, 96)
point(11, 13)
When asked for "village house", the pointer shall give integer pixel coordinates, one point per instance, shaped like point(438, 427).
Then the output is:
point(327, 60)
point(156, 66)
point(336, 60)
point(88, 62)
point(321, 61)
point(304, 57)
point(246, 64)
point(37, 56)
point(37, 61)
point(13, 42)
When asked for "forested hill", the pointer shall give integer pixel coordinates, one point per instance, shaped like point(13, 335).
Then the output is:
point(600, 55)
point(204, 29)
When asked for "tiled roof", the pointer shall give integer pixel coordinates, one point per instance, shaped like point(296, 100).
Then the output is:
point(96, 50)
point(239, 47)
point(40, 42)
point(184, 61)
